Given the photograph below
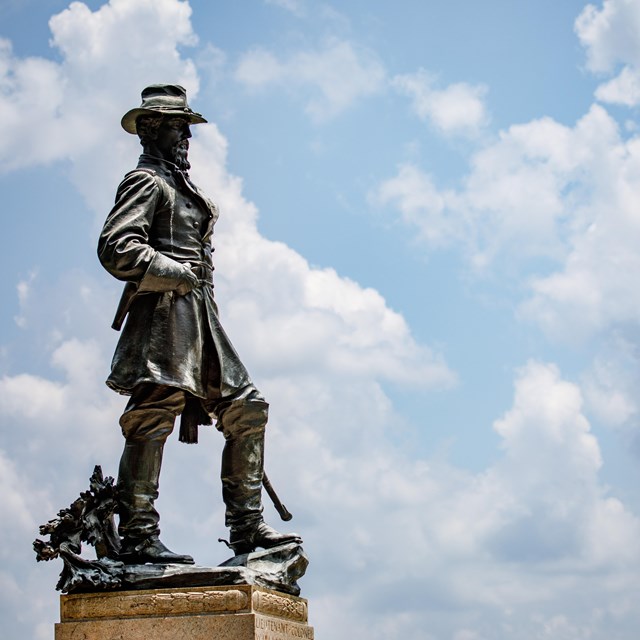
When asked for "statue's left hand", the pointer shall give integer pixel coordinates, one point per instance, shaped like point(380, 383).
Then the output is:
point(188, 281)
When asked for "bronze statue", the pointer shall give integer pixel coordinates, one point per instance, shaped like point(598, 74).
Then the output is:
point(173, 357)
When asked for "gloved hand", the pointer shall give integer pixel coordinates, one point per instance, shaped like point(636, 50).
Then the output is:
point(188, 281)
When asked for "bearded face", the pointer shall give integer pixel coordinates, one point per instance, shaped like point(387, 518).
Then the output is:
point(167, 137)
point(180, 152)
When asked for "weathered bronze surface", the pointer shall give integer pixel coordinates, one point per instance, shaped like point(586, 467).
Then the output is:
point(89, 519)
point(174, 357)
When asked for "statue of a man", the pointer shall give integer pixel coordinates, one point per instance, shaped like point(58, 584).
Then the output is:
point(173, 357)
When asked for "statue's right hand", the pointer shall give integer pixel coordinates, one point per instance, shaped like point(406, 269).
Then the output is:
point(188, 281)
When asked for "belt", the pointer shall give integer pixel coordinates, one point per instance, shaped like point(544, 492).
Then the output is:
point(203, 270)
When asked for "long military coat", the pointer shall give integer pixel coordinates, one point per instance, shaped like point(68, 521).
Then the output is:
point(159, 223)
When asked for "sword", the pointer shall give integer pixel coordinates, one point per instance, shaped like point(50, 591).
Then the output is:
point(283, 512)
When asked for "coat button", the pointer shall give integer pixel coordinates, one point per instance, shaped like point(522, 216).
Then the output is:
point(196, 224)
point(188, 205)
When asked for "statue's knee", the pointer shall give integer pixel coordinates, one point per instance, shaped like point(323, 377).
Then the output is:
point(151, 412)
point(145, 424)
point(244, 417)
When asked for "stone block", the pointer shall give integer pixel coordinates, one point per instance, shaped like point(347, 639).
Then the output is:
point(237, 612)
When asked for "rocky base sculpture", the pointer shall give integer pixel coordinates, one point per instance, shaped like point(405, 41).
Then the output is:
point(90, 519)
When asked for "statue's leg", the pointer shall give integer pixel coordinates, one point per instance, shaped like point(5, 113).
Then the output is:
point(146, 423)
point(242, 418)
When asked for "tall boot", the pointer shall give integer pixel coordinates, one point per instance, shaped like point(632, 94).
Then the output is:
point(242, 471)
point(138, 478)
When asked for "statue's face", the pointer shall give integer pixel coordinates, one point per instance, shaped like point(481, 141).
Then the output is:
point(172, 141)
point(173, 135)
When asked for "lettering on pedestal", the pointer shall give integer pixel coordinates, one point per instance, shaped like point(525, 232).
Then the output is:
point(147, 604)
point(181, 603)
point(269, 629)
point(279, 606)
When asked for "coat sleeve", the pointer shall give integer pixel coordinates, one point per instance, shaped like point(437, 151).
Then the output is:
point(124, 249)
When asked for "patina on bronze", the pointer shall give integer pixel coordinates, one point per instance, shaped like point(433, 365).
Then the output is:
point(89, 519)
point(173, 357)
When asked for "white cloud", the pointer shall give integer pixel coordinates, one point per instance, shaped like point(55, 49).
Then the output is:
point(623, 89)
point(511, 200)
point(542, 191)
point(458, 109)
point(595, 288)
point(24, 501)
point(71, 417)
point(551, 465)
point(15, 507)
point(610, 384)
point(32, 96)
point(547, 430)
point(554, 207)
point(609, 35)
point(420, 204)
point(336, 76)
point(49, 110)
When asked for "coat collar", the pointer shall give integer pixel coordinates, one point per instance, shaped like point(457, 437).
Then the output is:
point(147, 160)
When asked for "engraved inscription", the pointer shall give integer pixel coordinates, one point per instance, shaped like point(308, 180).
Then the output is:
point(270, 629)
point(181, 603)
point(153, 604)
point(280, 606)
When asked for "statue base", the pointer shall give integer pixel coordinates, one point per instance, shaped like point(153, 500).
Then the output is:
point(235, 612)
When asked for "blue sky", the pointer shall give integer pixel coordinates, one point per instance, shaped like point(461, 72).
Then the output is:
point(426, 258)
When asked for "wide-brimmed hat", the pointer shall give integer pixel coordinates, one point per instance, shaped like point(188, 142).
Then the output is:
point(164, 100)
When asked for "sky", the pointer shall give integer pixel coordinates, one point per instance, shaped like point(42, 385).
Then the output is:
point(427, 259)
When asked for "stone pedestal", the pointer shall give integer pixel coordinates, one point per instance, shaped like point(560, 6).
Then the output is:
point(238, 612)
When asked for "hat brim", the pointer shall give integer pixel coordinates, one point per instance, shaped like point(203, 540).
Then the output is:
point(128, 121)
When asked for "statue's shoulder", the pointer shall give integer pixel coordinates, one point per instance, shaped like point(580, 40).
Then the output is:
point(148, 170)
point(151, 172)
point(144, 174)
point(141, 180)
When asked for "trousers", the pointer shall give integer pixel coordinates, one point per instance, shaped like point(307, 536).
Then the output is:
point(147, 422)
